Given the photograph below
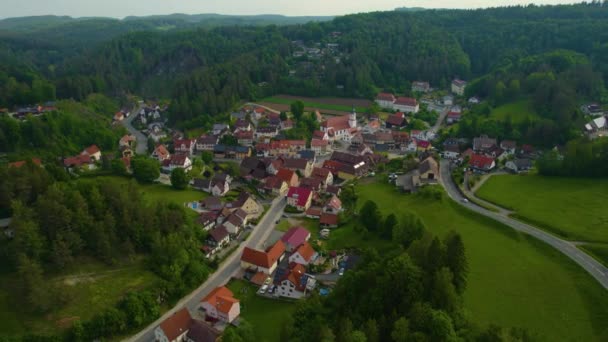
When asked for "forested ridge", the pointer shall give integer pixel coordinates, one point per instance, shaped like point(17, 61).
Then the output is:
point(379, 50)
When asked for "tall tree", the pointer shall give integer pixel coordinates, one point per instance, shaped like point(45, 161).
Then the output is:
point(456, 261)
point(179, 179)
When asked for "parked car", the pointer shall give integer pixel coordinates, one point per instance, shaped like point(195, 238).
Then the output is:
point(341, 272)
point(263, 289)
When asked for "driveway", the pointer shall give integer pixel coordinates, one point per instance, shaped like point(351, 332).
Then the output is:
point(593, 267)
point(142, 140)
point(222, 275)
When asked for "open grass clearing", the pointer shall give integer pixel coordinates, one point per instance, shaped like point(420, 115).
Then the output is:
point(90, 287)
point(266, 315)
point(515, 280)
point(573, 208)
point(517, 111)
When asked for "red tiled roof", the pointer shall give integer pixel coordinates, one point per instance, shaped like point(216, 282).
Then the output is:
point(385, 97)
point(300, 194)
point(273, 182)
point(264, 259)
point(318, 134)
point(92, 150)
point(337, 123)
point(20, 163)
point(313, 211)
point(161, 151)
point(406, 101)
point(306, 251)
point(286, 175)
point(222, 298)
point(295, 236)
point(318, 142)
point(177, 324)
point(481, 161)
point(329, 219)
point(423, 143)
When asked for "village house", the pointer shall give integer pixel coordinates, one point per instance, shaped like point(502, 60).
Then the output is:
point(421, 87)
point(451, 148)
point(119, 116)
point(263, 261)
point(303, 166)
point(289, 177)
point(320, 135)
point(303, 255)
point(174, 328)
point(185, 146)
point(328, 220)
point(242, 125)
point(235, 222)
point(244, 138)
point(208, 219)
point(313, 213)
point(333, 206)
point(161, 153)
point(253, 167)
point(340, 128)
point(453, 117)
point(324, 175)
point(426, 173)
point(286, 125)
point(396, 121)
point(20, 163)
point(350, 166)
point(248, 204)
point(481, 163)
point(295, 282)
point(320, 146)
point(519, 165)
point(85, 160)
point(93, 152)
point(220, 129)
point(177, 161)
point(206, 143)
point(221, 305)
point(127, 141)
point(294, 238)
point(267, 132)
point(406, 104)
point(314, 184)
point(509, 146)
point(276, 186)
point(458, 87)
point(299, 198)
point(217, 239)
point(202, 332)
point(483, 143)
point(385, 100)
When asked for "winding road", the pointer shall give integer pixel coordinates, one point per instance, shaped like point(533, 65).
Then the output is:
point(225, 271)
point(592, 266)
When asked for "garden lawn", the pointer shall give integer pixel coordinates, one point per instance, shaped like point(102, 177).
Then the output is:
point(91, 287)
point(266, 315)
point(286, 101)
point(517, 111)
point(514, 280)
point(572, 208)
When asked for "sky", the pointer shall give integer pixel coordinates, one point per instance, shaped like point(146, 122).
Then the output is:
point(123, 8)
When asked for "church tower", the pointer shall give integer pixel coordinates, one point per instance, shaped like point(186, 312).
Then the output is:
point(352, 120)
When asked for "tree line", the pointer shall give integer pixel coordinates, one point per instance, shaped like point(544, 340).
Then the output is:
point(56, 222)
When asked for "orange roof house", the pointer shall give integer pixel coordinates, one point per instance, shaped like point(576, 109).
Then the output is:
point(220, 304)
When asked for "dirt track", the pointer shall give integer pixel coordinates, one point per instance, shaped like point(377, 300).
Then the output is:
point(285, 108)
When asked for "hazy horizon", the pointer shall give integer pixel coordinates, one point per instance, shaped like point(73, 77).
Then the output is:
point(125, 8)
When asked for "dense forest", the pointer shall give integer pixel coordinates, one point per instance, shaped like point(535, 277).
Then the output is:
point(205, 70)
point(58, 222)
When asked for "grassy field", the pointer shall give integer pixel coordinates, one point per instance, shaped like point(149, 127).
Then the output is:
point(266, 315)
point(517, 111)
point(91, 287)
point(569, 207)
point(157, 192)
point(515, 281)
point(314, 104)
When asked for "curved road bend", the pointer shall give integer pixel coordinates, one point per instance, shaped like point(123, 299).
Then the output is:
point(226, 270)
point(592, 266)
point(142, 141)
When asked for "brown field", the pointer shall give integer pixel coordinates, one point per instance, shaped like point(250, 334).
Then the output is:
point(286, 108)
point(329, 100)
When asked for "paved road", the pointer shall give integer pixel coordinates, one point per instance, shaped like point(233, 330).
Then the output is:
point(226, 270)
point(440, 119)
point(593, 267)
point(142, 141)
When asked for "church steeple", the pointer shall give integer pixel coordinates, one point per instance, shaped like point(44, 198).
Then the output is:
point(352, 120)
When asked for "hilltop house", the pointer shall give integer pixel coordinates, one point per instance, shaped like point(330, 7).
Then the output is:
point(458, 87)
